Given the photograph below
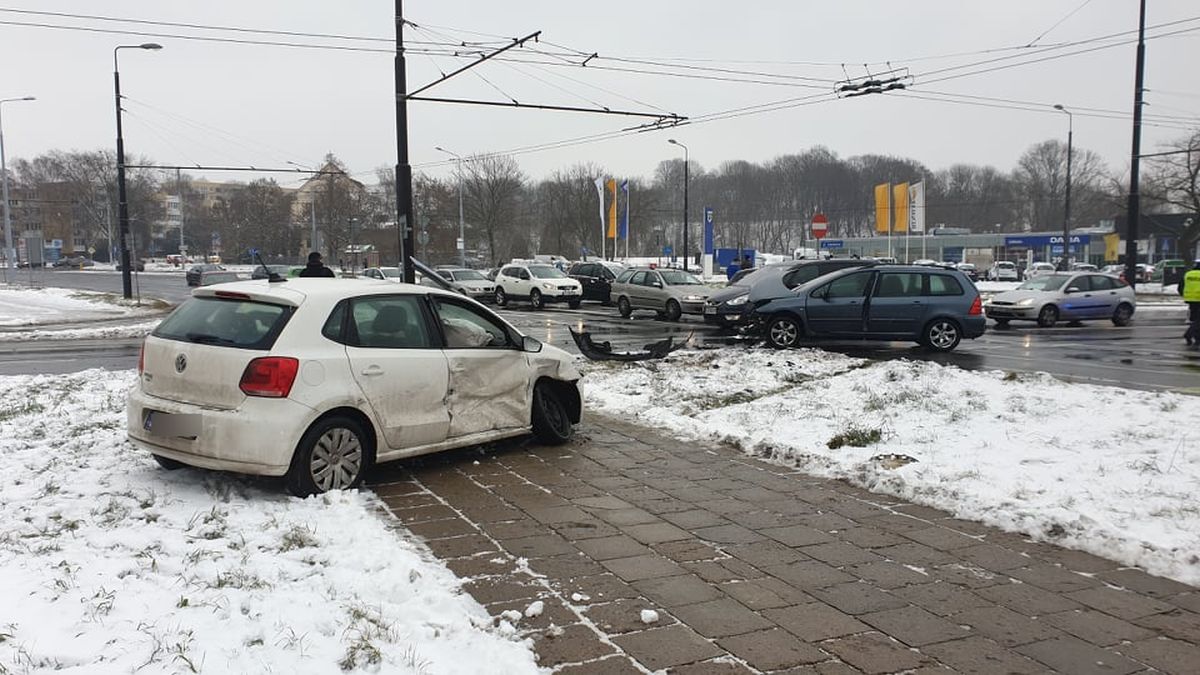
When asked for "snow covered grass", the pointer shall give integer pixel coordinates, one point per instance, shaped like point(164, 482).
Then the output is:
point(1111, 471)
point(115, 331)
point(112, 564)
point(38, 306)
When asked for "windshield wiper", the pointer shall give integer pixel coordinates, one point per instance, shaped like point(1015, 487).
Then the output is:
point(206, 339)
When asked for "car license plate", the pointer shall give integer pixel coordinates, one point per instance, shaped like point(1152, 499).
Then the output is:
point(710, 310)
point(159, 423)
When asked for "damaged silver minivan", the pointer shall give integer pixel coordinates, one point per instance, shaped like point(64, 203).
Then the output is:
point(318, 379)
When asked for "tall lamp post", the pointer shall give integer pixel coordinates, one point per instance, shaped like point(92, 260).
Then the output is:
point(686, 161)
point(462, 232)
point(9, 251)
point(1066, 259)
point(122, 205)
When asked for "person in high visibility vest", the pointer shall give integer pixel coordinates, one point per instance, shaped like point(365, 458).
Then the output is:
point(1189, 288)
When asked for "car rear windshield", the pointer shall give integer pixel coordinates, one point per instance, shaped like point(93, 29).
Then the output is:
point(243, 324)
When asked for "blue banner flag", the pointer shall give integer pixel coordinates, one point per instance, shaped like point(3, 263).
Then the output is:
point(623, 221)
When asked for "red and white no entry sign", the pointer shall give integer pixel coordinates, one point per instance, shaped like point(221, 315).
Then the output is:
point(820, 225)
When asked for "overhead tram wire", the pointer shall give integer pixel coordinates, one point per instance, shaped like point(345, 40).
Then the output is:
point(1074, 108)
point(915, 94)
point(1059, 22)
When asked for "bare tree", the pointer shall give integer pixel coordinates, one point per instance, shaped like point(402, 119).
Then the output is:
point(1041, 177)
point(494, 187)
point(1174, 180)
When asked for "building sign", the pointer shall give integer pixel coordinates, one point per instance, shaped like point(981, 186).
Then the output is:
point(1047, 240)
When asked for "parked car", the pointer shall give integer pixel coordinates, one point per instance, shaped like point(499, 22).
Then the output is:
point(316, 380)
point(136, 265)
point(265, 271)
point(1145, 272)
point(75, 261)
point(596, 279)
point(537, 283)
point(468, 282)
point(393, 274)
point(670, 292)
point(1169, 272)
point(195, 271)
point(1039, 269)
point(968, 269)
point(1002, 270)
point(936, 308)
point(732, 305)
point(218, 277)
point(1065, 296)
point(1084, 267)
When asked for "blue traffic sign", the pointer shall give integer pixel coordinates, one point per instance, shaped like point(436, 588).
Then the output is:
point(667, 250)
point(832, 243)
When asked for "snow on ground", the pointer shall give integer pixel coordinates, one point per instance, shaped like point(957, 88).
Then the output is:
point(112, 564)
point(102, 332)
point(1111, 471)
point(39, 306)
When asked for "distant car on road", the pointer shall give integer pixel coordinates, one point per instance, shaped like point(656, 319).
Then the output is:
point(538, 283)
point(468, 282)
point(196, 271)
point(1084, 267)
point(1039, 269)
point(934, 307)
point(670, 292)
point(1065, 296)
point(392, 274)
point(218, 277)
point(137, 265)
point(74, 261)
point(596, 279)
point(265, 271)
point(968, 269)
point(1003, 270)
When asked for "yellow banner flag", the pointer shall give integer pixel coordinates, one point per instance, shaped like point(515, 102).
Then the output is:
point(612, 209)
point(900, 207)
point(1112, 246)
point(883, 208)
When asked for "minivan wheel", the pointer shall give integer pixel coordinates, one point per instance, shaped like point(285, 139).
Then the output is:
point(941, 335)
point(501, 298)
point(623, 307)
point(332, 455)
point(551, 423)
point(168, 463)
point(1048, 316)
point(783, 332)
point(674, 311)
point(535, 299)
point(1122, 314)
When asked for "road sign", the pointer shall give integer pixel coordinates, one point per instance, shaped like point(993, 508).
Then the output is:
point(833, 243)
point(91, 250)
point(667, 250)
point(820, 225)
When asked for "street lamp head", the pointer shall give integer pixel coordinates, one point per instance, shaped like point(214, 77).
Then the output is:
point(149, 45)
point(672, 141)
point(1058, 106)
point(29, 98)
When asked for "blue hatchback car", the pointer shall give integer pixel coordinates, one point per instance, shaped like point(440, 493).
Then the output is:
point(933, 306)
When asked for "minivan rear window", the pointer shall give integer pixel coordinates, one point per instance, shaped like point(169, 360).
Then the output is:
point(226, 322)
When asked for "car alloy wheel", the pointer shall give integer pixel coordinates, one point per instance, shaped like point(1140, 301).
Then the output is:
point(551, 424)
point(1122, 315)
point(942, 335)
point(535, 299)
point(783, 332)
point(624, 308)
point(674, 311)
point(1048, 316)
point(501, 299)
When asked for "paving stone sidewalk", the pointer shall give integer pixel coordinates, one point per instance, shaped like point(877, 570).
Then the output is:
point(753, 567)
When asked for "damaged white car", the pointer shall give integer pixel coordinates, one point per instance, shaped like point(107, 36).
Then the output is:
point(318, 379)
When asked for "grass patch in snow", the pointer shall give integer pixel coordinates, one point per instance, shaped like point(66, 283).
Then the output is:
point(855, 437)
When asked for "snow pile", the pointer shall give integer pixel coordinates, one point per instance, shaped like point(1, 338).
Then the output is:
point(32, 307)
point(1111, 471)
point(112, 564)
point(114, 332)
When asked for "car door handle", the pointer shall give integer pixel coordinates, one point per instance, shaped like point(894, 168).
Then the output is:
point(372, 371)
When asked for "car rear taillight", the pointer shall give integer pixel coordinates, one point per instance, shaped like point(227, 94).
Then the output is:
point(142, 358)
point(270, 376)
point(976, 307)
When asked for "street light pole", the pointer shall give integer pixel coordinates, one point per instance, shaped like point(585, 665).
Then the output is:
point(686, 162)
point(1066, 259)
point(9, 251)
point(122, 204)
point(462, 232)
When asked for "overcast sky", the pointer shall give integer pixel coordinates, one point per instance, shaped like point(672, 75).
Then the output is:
point(213, 103)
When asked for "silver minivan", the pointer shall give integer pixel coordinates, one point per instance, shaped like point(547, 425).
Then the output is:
point(671, 293)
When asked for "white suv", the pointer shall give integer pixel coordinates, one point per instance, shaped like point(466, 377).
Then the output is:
point(539, 284)
point(317, 379)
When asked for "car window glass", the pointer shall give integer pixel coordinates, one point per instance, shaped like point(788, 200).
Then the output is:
point(849, 286)
point(389, 322)
point(1080, 282)
point(899, 285)
point(637, 278)
point(801, 275)
point(650, 279)
point(225, 323)
point(333, 325)
point(944, 284)
point(466, 328)
point(1101, 283)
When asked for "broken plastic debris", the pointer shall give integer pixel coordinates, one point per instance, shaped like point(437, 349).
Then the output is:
point(579, 597)
point(535, 609)
point(649, 616)
point(511, 615)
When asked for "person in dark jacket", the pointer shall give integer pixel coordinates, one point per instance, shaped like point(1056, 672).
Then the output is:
point(1189, 288)
point(316, 268)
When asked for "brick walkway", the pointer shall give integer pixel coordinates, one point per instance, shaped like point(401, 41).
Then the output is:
point(754, 567)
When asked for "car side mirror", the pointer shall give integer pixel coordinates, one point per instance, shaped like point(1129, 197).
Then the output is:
point(657, 284)
point(531, 345)
point(1073, 289)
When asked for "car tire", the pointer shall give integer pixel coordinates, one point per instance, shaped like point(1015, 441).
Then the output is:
point(535, 299)
point(623, 307)
point(336, 438)
point(674, 311)
point(501, 298)
point(783, 332)
point(551, 423)
point(1123, 314)
point(168, 463)
point(574, 304)
point(1001, 322)
point(941, 335)
point(1048, 316)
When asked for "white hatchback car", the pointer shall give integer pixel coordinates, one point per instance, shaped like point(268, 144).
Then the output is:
point(318, 379)
point(539, 284)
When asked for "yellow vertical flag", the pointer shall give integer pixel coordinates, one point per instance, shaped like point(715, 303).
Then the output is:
point(1112, 244)
point(883, 208)
point(900, 207)
point(612, 209)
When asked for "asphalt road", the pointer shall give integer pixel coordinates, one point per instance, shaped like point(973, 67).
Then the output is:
point(1149, 354)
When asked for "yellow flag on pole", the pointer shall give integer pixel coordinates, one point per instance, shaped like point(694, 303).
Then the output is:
point(883, 208)
point(612, 209)
point(900, 207)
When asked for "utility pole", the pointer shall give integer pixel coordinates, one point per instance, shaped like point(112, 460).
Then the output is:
point(1134, 212)
point(404, 205)
point(179, 189)
point(1066, 259)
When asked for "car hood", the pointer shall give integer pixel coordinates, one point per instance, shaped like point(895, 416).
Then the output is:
point(476, 285)
point(728, 293)
point(1017, 296)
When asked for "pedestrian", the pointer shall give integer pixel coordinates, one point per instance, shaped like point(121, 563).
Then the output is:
point(1189, 288)
point(316, 268)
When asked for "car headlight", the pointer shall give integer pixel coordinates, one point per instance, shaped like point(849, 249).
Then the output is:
point(739, 300)
point(693, 298)
point(548, 287)
point(1025, 303)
